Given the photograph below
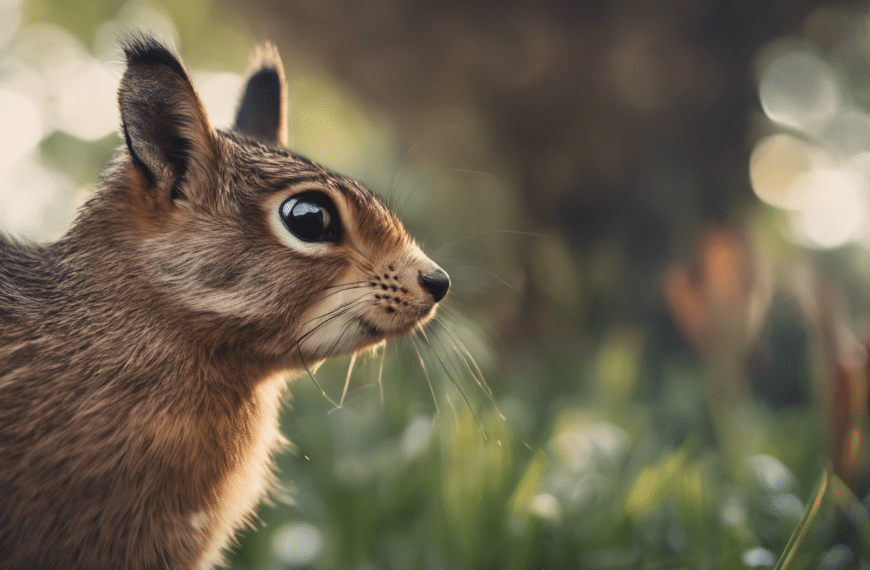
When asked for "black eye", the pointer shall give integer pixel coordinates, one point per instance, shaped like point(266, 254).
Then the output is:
point(311, 216)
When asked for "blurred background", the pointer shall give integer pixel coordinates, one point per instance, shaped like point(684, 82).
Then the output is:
point(656, 217)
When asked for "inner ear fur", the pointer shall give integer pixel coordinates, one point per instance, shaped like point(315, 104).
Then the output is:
point(165, 126)
point(262, 112)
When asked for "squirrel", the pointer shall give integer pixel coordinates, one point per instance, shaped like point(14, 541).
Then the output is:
point(143, 356)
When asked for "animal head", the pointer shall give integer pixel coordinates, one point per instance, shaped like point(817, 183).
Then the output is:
point(236, 234)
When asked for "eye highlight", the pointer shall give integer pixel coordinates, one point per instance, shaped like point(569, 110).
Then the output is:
point(311, 217)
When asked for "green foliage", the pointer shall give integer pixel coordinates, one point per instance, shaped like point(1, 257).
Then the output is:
point(398, 485)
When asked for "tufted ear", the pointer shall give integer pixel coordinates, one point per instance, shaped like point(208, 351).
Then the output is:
point(165, 125)
point(262, 111)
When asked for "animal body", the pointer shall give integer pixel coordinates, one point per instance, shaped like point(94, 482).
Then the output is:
point(143, 355)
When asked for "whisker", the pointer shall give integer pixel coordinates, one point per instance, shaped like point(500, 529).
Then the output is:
point(310, 375)
point(492, 274)
point(468, 360)
point(346, 287)
point(468, 287)
point(489, 175)
point(327, 353)
point(391, 189)
point(426, 373)
point(413, 148)
point(427, 136)
point(453, 312)
point(353, 395)
point(452, 407)
point(481, 234)
point(338, 291)
point(339, 338)
point(408, 196)
point(455, 383)
point(344, 310)
point(465, 356)
point(344, 307)
point(338, 311)
point(343, 284)
point(347, 380)
point(383, 350)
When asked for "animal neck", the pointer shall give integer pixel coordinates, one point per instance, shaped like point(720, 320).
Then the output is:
point(106, 328)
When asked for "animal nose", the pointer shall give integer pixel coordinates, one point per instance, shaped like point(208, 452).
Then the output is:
point(436, 282)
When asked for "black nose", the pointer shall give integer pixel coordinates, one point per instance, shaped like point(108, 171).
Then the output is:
point(436, 282)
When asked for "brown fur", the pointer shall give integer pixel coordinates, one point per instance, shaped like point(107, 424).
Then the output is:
point(142, 355)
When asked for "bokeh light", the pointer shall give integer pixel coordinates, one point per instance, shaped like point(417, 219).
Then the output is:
point(297, 544)
point(18, 115)
point(759, 557)
point(29, 204)
point(86, 105)
point(51, 83)
point(798, 89)
point(833, 209)
point(814, 169)
point(10, 19)
point(775, 163)
point(219, 93)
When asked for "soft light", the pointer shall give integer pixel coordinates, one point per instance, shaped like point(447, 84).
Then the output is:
point(134, 15)
point(545, 506)
point(833, 209)
point(416, 436)
point(849, 132)
point(34, 200)
point(773, 166)
point(799, 89)
point(771, 473)
point(20, 125)
point(220, 95)
point(759, 557)
point(297, 544)
point(10, 20)
point(86, 104)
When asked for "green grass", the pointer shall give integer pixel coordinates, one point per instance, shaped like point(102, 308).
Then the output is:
point(595, 482)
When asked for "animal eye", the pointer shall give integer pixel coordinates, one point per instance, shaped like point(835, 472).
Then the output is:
point(311, 216)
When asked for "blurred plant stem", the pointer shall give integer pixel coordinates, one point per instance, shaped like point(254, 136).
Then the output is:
point(719, 299)
point(833, 488)
point(726, 387)
point(806, 522)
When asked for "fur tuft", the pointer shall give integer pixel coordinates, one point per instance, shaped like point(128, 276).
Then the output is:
point(143, 49)
point(262, 110)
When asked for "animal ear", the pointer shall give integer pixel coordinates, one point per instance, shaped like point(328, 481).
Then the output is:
point(263, 109)
point(165, 125)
